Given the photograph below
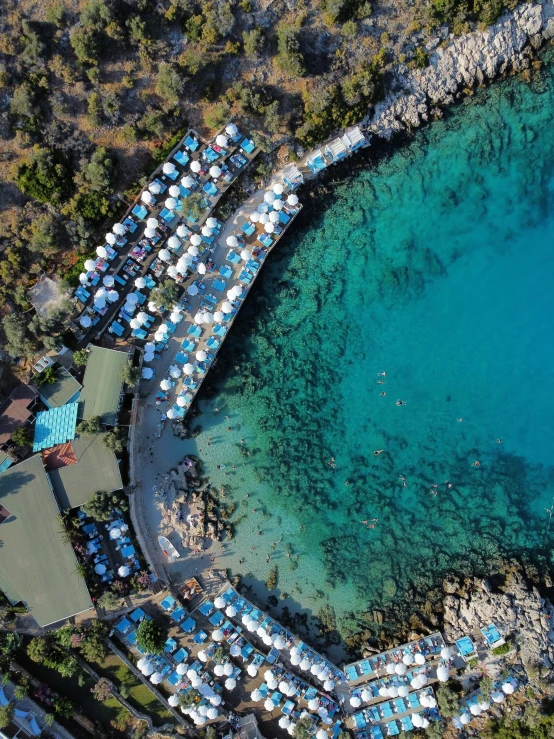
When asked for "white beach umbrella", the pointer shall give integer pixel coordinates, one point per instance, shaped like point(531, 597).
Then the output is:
point(465, 718)
point(251, 670)
point(423, 699)
point(407, 659)
point(274, 217)
point(201, 268)
point(221, 141)
point(507, 688)
point(191, 673)
point(215, 171)
point(173, 700)
point(148, 670)
point(252, 625)
point(295, 659)
point(474, 709)
point(140, 282)
point(174, 191)
point(172, 271)
point(231, 611)
point(187, 181)
point(219, 316)
point(134, 324)
point(278, 188)
point(314, 669)
point(403, 691)
point(155, 188)
point(424, 723)
point(192, 289)
point(400, 668)
point(328, 685)
point(173, 242)
point(159, 335)
point(112, 296)
point(202, 656)
point(231, 129)
point(226, 307)
point(290, 728)
point(101, 251)
point(188, 369)
point(212, 712)
point(108, 281)
point(278, 205)
point(147, 197)
point(269, 196)
point(124, 571)
point(484, 705)
point(417, 720)
point(269, 228)
point(256, 695)
point(171, 204)
point(283, 686)
point(211, 222)
point(156, 678)
point(446, 653)
point(263, 219)
point(152, 223)
point(195, 166)
point(206, 231)
point(292, 199)
point(85, 321)
point(305, 664)
point(110, 239)
point(245, 255)
point(217, 635)
point(175, 317)
point(215, 700)
point(183, 264)
point(291, 691)
point(355, 702)
point(262, 208)
point(230, 683)
point(83, 278)
point(171, 414)
point(269, 705)
point(150, 347)
point(232, 240)
point(279, 643)
point(383, 691)
point(181, 669)
point(119, 229)
point(165, 385)
point(419, 659)
point(268, 674)
point(90, 265)
point(322, 734)
point(218, 670)
point(228, 669)
point(168, 168)
point(423, 679)
point(284, 722)
point(254, 216)
point(367, 695)
point(272, 684)
point(149, 233)
point(442, 673)
point(196, 239)
point(100, 304)
point(141, 664)
point(313, 704)
point(199, 318)
point(415, 682)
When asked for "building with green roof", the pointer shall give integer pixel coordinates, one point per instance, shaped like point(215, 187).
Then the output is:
point(96, 469)
point(102, 384)
point(37, 567)
point(59, 393)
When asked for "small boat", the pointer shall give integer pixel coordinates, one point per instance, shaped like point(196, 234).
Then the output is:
point(168, 549)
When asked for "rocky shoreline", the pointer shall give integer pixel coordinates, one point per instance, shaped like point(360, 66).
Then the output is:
point(459, 64)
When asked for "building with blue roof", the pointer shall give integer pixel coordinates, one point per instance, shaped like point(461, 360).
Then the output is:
point(55, 426)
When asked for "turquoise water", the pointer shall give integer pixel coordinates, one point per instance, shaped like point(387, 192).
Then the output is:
point(435, 267)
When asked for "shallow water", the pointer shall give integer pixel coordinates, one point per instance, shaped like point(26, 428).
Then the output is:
point(436, 268)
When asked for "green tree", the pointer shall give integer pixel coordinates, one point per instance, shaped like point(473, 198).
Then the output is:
point(169, 84)
point(165, 294)
point(80, 357)
point(40, 648)
point(289, 59)
point(98, 172)
point(101, 504)
point(10, 642)
point(20, 342)
point(447, 700)
point(84, 44)
point(95, 109)
point(6, 715)
point(252, 41)
point(216, 116)
point(21, 436)
point(49, 719)
point(45, 176)
point(435, 730)
point(272, 120)
point(115, 440)
point(22, 103)
point(91, 427)
point(188, 699)
point(130, 374)
point(43, 235)
point(93, 648)
point(304, 728)
point(21, 691)
point(108, 600)
point(151, 636)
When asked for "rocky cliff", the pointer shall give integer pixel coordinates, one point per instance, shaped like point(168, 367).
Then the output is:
point(461, 63)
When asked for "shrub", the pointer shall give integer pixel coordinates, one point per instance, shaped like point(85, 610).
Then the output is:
point(101, 504)
point(503, 649)
point(84, 44)
point(165, 294)
point(304, 728)
point(130, 374)
point(6, 715)
point(115, 440)
point(420, 58)
point(151, 636)
point(21, 436)
point(447, 699)
point(45, 176)
point(252, 41)
point(188, 699)
point(46, 377)
point(102, 690)
point(80, 357)
point(216, 116)
point(169, 84)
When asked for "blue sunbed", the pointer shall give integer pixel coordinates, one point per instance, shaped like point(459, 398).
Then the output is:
point(195, 331)
point(210, 154)
point(181, 157)
point(140, 212)
point(180, 656)
point(248, 146)
point(233, 257)
point(173, 175)
point(120, 281)
point(219, 329)
point(386, 710)
point(225, 271)
point(212, 343)
point(174, 679)
point(392, 728)
point(207, 608)
point(191, 143)
point(406, 722)
point(211, 189)
point(219, 285)
point(248, 228)
point(130, 225)
point(123, 626)
point(217, 618)
point(137, 615)
point(200, 638)
point(284, 217)
point(359, 718)
point(189, 625)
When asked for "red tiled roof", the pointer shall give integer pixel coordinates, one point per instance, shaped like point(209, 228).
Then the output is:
point(15, 411)
point(59, 456)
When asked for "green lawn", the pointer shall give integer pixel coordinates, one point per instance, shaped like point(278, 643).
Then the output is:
point(139, 695)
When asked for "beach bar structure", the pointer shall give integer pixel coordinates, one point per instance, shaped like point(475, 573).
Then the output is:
point(336, 150)
point(292, 176)
point(354, 139)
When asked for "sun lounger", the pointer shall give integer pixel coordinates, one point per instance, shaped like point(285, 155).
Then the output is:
point(375, 732)
point(192, 143)
point(225, 271)
point(210, 189)
point(392, 728)
point(140, 212)
point(172, 175)
point(211, 155)
point(219, 285)
point(168, 603)
point(195, 331)
point(413, 700)
point(248, 146)
point(206, 608)
point(189, 625)
point(180, 656)
point(217, 618)
point(170, 645)
point(139, 333)
point(246, 651)
point(386, 710)
point(248, 228)
point(406, 722)
point(219, 329)
point(232, 257)
point(284, 217)
point(181, 158)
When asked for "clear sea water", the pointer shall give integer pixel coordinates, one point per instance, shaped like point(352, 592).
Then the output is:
point(436, 267)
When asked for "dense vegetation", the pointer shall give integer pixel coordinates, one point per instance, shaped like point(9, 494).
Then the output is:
point(95, 92)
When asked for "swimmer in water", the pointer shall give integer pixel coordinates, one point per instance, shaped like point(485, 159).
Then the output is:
point(381, 374)
point(378, 451)
point(477, 463)
point(499, 441)
point(401, 402)
point(459, 420)
point(382, 395)
point(380, 382)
